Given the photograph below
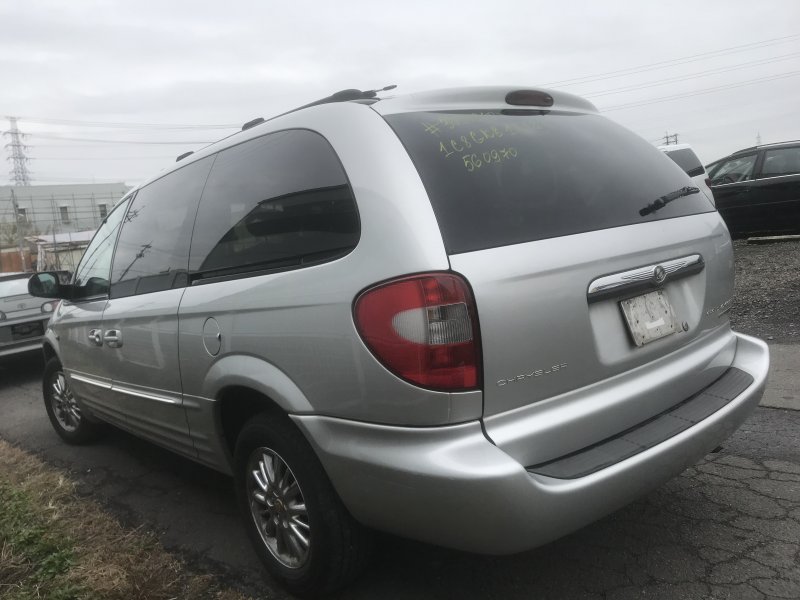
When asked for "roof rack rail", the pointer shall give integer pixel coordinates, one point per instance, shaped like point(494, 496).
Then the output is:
point(253, 123)
point(341, 96)
point(752, 148)
point(184, 155)
point(345, 96)
point(779, 143)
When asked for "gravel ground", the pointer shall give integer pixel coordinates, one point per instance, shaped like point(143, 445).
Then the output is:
point(767, 296)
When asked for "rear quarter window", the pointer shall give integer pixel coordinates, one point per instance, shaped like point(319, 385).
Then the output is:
point(275, 202)
point(497, 178)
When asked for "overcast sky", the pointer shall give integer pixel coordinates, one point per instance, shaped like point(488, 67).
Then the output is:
point(223, 63)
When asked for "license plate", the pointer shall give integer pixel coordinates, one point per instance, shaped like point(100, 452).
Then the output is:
point(650, 317)
point(27, 330)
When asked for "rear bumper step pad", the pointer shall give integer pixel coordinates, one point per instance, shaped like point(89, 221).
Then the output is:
point(649, 433)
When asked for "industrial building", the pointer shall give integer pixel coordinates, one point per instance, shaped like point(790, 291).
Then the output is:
point(51, 209)
point(52, 213)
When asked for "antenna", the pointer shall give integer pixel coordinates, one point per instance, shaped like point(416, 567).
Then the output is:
point(373, 93)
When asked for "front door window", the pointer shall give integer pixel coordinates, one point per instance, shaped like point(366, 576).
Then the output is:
point(92, 274)
point(734, 170)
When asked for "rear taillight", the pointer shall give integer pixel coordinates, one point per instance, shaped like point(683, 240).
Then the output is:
point(423, 328)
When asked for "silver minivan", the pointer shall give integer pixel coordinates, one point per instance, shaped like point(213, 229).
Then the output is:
point(481, 318)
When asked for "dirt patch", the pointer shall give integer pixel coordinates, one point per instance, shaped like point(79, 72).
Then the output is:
point(767, 296)
point(54, 544)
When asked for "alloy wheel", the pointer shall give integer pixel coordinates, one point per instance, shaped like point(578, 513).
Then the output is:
point(65, 408)
point(278, 508)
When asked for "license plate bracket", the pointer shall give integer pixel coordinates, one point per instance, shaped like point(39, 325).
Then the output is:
point(649, 317)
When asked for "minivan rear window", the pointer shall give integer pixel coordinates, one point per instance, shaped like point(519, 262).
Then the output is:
point(497, 178)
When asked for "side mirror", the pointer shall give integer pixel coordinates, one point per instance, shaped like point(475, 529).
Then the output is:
point(48, 285)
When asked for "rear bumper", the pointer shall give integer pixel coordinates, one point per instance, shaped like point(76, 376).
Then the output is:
point(452, 487)
point(13, 348)
point(11, 344)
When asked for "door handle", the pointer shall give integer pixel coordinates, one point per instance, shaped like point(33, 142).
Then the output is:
point(113, 338)
point(95, 337)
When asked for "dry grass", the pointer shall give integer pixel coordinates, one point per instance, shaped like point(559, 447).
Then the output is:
point(56, 545)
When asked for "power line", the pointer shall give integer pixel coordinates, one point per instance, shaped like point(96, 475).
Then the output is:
point(62, 146)
point(56, 179)
point(159, 157)
point(700, 92)
point(100, 141)
point(63, 196)
point(47, 132)
point(673, 62)
point(125, 125)
point(718, 107)
point(686, 77)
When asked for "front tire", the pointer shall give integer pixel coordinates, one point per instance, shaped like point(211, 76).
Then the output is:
point(299, 527)
point(67, 418)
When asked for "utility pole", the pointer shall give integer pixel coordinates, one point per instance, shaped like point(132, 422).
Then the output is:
point(19, 171)
point(758, 139)
point(670, 139)
point(20, 243)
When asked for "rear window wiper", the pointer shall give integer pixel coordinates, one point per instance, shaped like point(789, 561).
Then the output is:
point(661, 202)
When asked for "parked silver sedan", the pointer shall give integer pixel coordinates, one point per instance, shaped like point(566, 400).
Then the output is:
point(23, 318)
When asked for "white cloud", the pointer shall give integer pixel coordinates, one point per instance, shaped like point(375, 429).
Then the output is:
point(201, 62)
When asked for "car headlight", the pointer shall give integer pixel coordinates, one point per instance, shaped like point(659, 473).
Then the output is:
point(47, 307)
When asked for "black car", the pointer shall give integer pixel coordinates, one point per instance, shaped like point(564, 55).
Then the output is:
point(757, 190)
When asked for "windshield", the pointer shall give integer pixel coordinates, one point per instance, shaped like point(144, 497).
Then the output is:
point(497, 178)
point(14, 287)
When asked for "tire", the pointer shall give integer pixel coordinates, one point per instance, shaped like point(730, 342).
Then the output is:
point(302, 506)
point(70, 422)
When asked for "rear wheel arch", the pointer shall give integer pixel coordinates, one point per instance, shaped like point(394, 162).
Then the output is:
point(238, 404)
point(243, 386)
point(49, 351)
